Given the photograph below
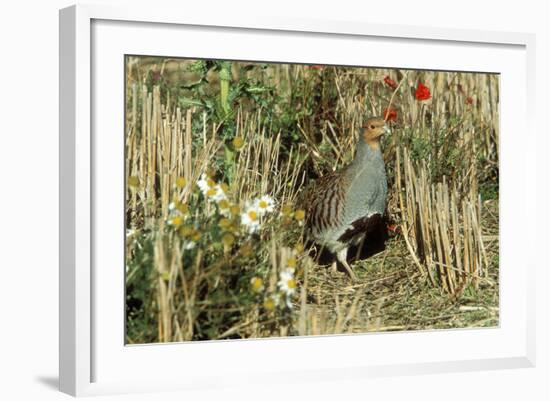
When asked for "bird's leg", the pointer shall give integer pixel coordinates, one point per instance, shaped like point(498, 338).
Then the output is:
point(342, 258)
point(350, 271)
point(334, 267)
point(360, 246)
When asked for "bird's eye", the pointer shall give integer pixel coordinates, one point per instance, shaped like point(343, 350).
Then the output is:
point(372, 126)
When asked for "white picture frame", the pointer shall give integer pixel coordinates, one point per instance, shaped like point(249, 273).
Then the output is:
point(94, 361)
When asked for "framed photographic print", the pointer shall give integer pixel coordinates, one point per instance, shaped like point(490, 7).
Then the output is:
point(301, 200)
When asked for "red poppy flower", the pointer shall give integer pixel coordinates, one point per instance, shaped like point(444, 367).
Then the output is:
point(422, 92)
point(393, 228)
point(390, 114)
point(469, 100)
point(390, 82)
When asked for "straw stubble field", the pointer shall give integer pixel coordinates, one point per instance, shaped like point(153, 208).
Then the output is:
point(218, 156)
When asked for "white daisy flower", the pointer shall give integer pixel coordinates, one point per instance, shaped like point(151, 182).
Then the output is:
point(177, 213)
point(218, 195)
point(202, 183)
point(251, 220)
point(265, 204)
point(225, 212)
point(214, 192)
point(189, 245)
point(250, 205)
point(257, 284)
point(287, 283)
point(271, 302)
point(276, 299)
point(224, 207)
point(288, 303)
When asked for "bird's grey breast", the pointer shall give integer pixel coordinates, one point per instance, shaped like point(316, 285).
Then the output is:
point(368, 189)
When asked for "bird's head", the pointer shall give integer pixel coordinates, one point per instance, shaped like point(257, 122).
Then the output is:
point(373, 129)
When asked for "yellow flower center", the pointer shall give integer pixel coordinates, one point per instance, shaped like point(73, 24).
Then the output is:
point(238, 142)
point(181, 182)
point(262, 204)
point(196, 236)
point(257, 284)
point(211, 192)
point(225, 187)
point(253, 215)
point(176, 221)
point(186, 231)
point(210, 182)
point(291, 262)
point(286, 210)
point(234, 228)
point(224, 223)
point(182, 207)
point(291, 283)
point(299, 215)
point(223, 204)
point(235, 209)
point(228, 239)
point(269, 304)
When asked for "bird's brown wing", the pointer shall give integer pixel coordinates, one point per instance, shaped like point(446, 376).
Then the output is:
point(324, 200)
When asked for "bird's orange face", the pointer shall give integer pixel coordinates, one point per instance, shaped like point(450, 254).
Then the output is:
point(373, 129)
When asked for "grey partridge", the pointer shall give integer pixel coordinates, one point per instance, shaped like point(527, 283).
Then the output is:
point(341, 205)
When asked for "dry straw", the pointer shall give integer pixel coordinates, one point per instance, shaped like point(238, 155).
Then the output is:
point(441, 228)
